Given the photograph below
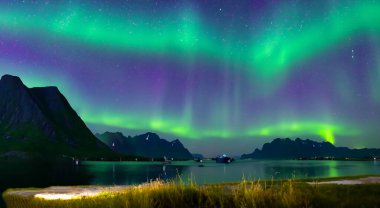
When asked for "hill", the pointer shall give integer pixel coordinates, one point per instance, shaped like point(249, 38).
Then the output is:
point(307, 149)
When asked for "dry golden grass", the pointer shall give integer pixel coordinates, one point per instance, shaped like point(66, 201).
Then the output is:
point(245, 194)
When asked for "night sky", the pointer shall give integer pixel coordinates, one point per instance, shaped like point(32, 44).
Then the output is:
point(218, 75)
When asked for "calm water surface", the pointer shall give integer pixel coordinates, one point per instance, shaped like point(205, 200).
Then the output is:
point(139, 172)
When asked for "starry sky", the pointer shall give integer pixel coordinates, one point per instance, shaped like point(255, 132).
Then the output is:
point(218, 75)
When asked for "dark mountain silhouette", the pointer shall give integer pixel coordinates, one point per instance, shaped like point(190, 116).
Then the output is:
point(307, 149)
point(41, 122)
point(145, 145)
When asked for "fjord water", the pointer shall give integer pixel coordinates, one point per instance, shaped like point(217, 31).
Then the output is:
point(118, 173)
point(39, 174)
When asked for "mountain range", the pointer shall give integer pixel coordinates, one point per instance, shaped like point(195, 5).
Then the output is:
point(39, 122)
point(145, 145)
point(307, 149)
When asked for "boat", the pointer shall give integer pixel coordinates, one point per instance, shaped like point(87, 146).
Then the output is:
point(223, 159)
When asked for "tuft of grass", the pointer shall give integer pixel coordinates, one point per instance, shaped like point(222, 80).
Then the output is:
point(251, 193)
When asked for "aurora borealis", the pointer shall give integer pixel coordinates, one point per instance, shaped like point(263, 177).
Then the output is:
point(228, 71)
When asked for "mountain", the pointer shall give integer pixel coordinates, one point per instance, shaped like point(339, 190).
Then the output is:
point(145, 145)
point(40, 122)
point(307, 149)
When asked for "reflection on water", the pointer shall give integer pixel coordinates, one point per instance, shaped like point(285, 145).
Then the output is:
point(43, 174)
point(123, 173)
point(22, 174)
point(211, 172)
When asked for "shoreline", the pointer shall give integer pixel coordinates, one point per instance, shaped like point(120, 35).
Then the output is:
point(358, 181)
point(88, 192)
point(284, 193)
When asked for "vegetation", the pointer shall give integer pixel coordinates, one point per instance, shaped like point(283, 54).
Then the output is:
point(245, 194)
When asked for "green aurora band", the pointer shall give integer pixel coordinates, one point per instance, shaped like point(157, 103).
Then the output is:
point(270, 55)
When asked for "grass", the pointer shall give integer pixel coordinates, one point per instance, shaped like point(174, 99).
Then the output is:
point(244, 194)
